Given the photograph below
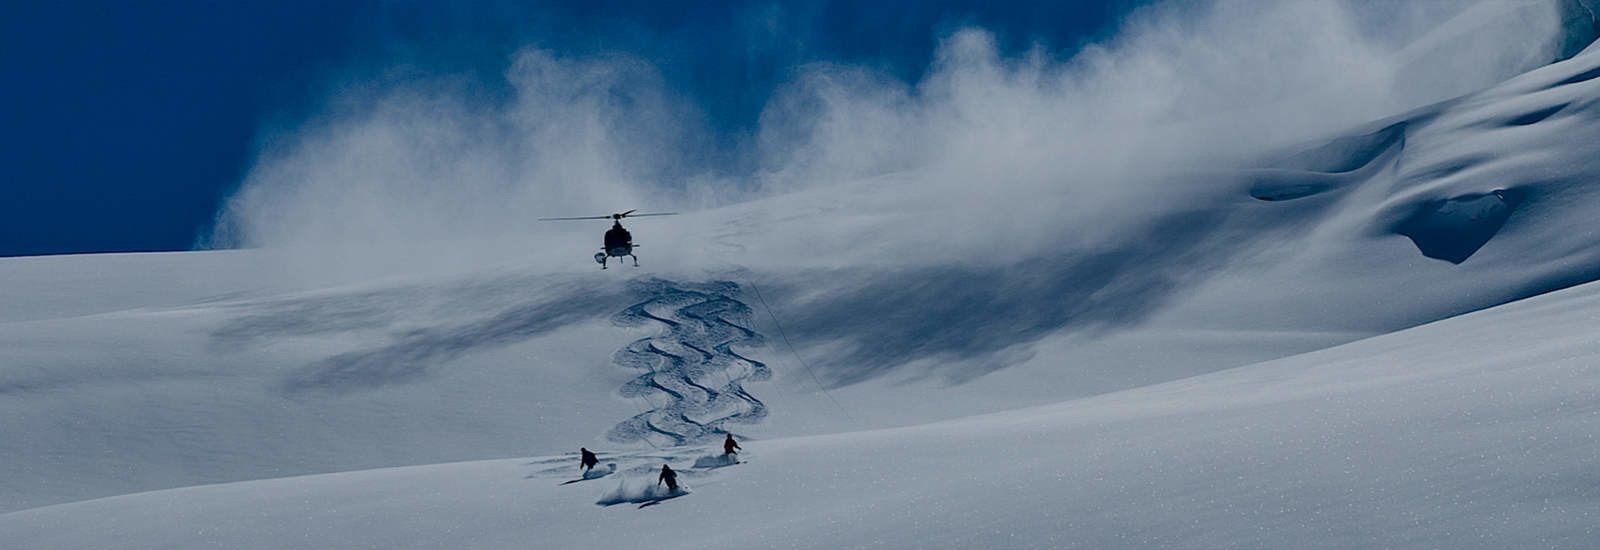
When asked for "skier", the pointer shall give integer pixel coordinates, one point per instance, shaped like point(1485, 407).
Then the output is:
point(589, 460)
point(668, 477)
point(729, 446)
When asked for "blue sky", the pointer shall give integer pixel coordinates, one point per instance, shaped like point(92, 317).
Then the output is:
point(124, 125)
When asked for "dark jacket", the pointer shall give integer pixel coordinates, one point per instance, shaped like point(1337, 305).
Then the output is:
point(668, 477)
point(729, 446)
point(589, 460)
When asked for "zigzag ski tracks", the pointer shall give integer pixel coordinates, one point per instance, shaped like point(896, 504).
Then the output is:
point(689, 372)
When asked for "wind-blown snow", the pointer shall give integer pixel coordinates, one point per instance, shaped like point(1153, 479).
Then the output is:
point(1041, 152)
point(237, 372)
point(913, 256)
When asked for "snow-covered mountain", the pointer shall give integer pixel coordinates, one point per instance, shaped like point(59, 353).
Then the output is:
point(1350, 342)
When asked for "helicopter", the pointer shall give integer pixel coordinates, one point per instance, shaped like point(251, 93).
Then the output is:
point(618, 242)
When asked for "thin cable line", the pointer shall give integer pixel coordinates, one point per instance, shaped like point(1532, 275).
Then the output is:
point(796, 354)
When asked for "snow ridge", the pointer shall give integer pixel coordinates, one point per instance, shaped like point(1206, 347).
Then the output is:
point(692, 378)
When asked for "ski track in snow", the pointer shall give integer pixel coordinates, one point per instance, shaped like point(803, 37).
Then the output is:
point(690, 375)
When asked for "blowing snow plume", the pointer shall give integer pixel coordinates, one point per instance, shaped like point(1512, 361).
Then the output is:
point(1039, 151)
point(387, 172)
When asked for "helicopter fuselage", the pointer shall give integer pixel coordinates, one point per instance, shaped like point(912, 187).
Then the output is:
point(618, 244)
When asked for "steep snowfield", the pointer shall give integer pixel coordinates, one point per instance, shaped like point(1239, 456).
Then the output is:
point(1481, 431)
point(133, 373)
point(126, 374)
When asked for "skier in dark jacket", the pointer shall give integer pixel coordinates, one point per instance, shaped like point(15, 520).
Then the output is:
point(729, 446)
point(668, 477)
point(589, 460)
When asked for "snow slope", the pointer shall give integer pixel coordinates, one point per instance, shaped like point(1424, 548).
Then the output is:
point(132, 373)
point(1481, 431)
point(850, 342)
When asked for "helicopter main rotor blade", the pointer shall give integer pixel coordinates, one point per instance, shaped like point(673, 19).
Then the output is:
point(577, 218)
point(628, 214)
